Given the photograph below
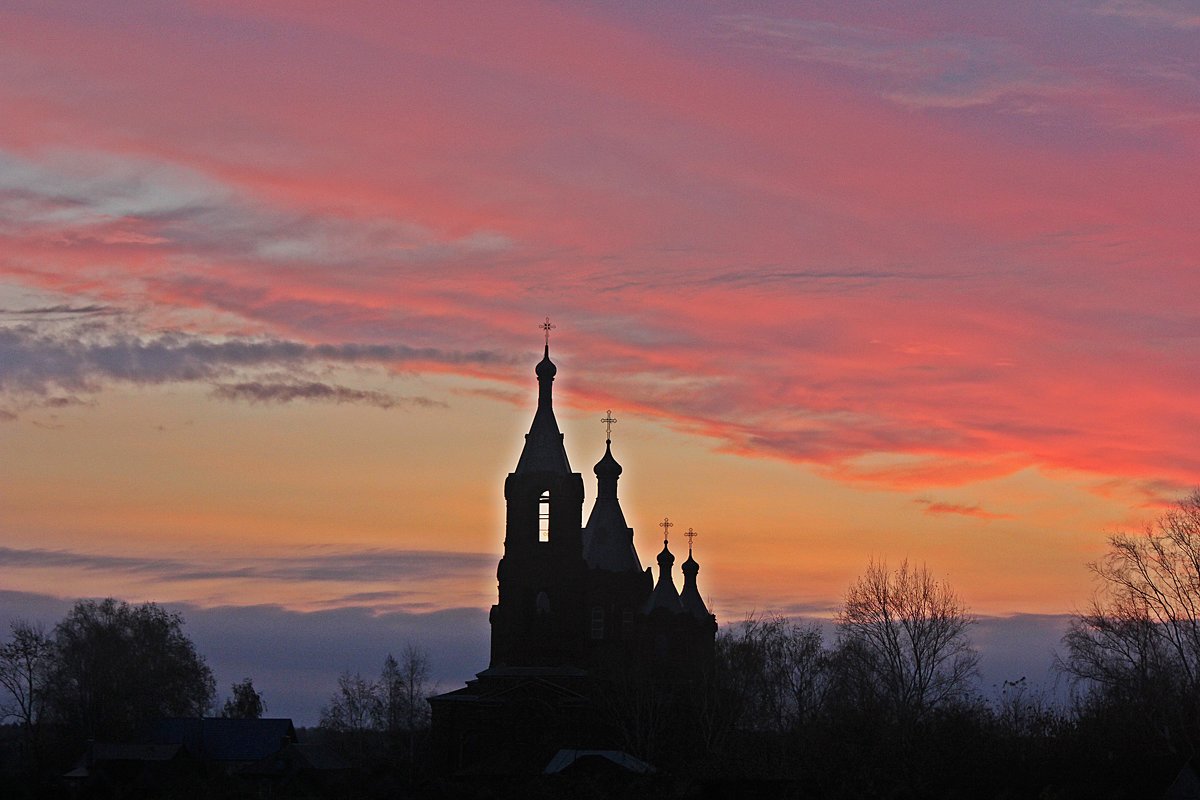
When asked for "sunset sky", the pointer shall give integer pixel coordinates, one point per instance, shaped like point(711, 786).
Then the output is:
point(886, 281)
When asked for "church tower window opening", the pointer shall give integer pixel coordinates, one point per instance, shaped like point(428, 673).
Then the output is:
point(544, 517)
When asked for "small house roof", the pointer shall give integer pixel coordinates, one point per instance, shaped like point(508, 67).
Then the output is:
point(220, 739)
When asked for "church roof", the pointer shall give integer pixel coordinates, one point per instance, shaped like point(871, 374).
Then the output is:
point(544, 450)
point(665, 595)
point(566, 761)
point(690, 597)
point(607, 538)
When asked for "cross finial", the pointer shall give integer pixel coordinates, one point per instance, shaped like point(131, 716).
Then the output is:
point(690, 534)
point(666, 525)
point(608, 420)
point(547, 326)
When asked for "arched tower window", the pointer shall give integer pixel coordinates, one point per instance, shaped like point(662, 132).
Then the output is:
point(544, 517)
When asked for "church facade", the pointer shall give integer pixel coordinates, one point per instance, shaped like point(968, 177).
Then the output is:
point(578, 625)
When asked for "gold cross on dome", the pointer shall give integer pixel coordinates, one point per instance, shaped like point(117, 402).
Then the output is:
point(666, 525)
point(547, 326)
point(690, 534)
point(608, 421)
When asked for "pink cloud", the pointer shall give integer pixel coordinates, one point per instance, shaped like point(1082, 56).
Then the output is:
point(908, 294)
point(938, 508)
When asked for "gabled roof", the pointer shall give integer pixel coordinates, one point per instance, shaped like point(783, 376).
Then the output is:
point(297, 758)
point(533, 687)
point(220, 739)
point(102, 755)
point(126, 751)
point(565, 759)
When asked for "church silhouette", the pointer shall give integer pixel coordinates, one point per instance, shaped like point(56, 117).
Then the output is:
point(583, 641)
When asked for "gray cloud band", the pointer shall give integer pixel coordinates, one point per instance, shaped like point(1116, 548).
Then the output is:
point(363, 566)
point(35, 362)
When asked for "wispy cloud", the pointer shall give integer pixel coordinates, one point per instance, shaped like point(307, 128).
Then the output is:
point(79, 360)
point(259, 392)
point(1180, 15)
point(941, 71)
point(119, 200)
point(59, 311)
point(326, 565)
point(938, 508)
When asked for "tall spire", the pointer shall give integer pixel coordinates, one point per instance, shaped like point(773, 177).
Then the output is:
point(544, 450)
point(690, 596)
point(607, 538)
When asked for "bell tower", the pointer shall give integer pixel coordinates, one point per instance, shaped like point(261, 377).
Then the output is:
point(577, 622)
point(541, 615)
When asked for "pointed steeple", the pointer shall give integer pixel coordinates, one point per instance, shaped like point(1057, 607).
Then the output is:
point(690, 596)
point(607, 538)
point(665, 595)
point(544, 450)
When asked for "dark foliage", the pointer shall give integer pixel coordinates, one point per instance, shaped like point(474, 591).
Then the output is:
point(117, 666)
point(245, 702)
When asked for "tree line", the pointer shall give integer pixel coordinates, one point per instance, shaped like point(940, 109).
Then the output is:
point(103, 671)
point(888, 705)
point(109, 668)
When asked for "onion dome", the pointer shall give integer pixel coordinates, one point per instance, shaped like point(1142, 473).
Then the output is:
point(607, 467)
point(607, 538)
point(664, 596)
point(545, 367)
point(690, 596)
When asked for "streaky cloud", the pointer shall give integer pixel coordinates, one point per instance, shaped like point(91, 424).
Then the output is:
point(938, 508)
point(259, 392)
point(939, 71)
point(1149, 13)
point(37, 362)
point(62, 310)
point(123, 200)
point(371, 565)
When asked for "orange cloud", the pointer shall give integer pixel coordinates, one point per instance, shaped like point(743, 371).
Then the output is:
point(937, 508)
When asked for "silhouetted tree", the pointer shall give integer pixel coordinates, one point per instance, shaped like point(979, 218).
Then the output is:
point(1136, 649)
point(772, 674)
point(25, 661)
point(404, 695)
point(118, 666)
point(404, 689)
point(768, 679)
point(902, 641)
point(639, 708)
point(354, 707)
point(244, 703)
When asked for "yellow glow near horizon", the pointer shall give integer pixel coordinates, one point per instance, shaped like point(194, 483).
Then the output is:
point(176, 474)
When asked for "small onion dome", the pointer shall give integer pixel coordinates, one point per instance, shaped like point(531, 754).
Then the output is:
point(690, 567)
point(545, 367)
point(607, 467)
point(664, 595)
point(666, 559)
